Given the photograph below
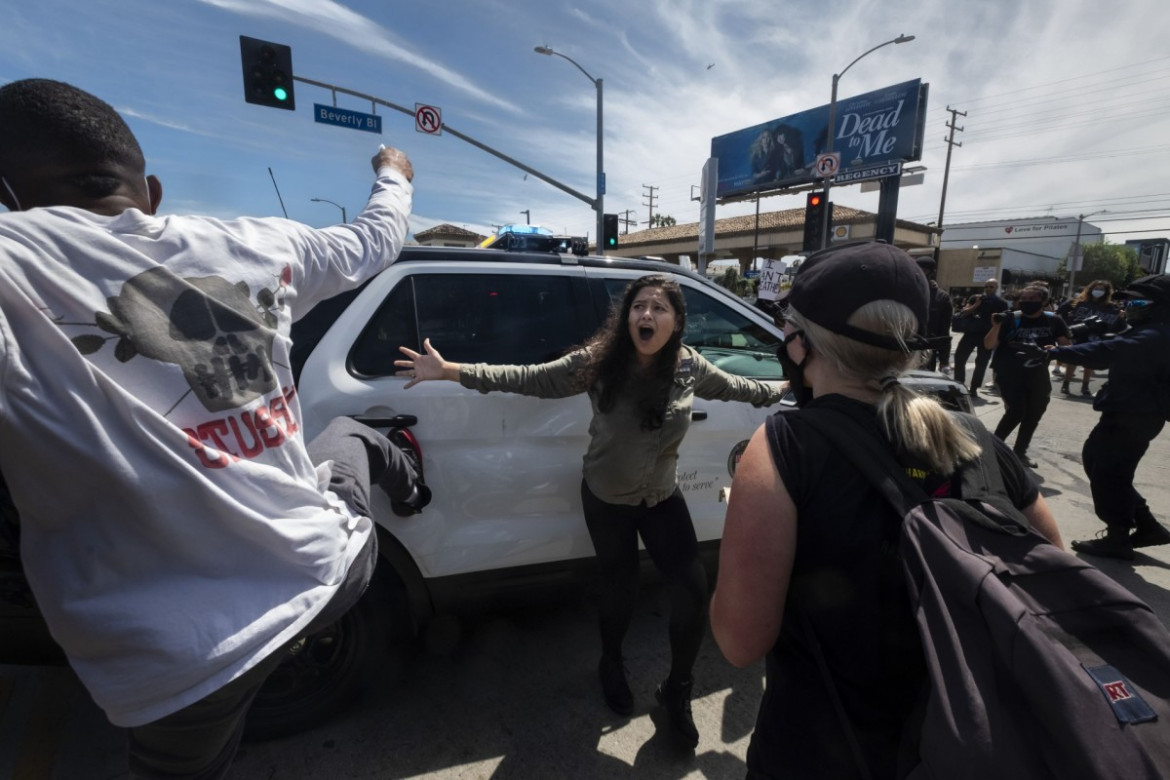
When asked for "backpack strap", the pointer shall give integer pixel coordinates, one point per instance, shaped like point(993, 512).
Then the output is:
point(874, 458)
point(1017, 317)
point(981, 482)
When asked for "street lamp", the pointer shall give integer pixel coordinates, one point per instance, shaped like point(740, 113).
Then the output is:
point(322, 200)
point(599, 201)
point(832, 129)
point(1076, 250)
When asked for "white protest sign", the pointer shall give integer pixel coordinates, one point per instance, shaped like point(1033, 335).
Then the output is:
point(769, 282)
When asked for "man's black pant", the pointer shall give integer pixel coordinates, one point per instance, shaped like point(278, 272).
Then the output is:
point(940, 356)
point(1025, 393)
point(968, 343)
point(1110, 456)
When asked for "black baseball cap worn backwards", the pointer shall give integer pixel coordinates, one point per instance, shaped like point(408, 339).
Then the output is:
point(834, 283)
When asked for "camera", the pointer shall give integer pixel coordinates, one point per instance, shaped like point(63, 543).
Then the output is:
point(1089, 326)
point(999, 316)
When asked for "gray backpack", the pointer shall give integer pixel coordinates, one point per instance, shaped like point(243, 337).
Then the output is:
point(1039, 665)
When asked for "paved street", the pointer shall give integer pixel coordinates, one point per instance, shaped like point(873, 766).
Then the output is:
point(514, 695)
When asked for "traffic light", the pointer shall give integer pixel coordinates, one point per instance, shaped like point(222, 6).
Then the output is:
point(268, 73)
point(609, 233)
point(815, 209)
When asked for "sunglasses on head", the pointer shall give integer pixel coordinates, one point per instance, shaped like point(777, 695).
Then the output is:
point(1138, 303)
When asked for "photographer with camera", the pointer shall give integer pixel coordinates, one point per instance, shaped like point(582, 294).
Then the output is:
point(1134, 405)
point(974, 321)
point(1023, 379)
point(1090, 316)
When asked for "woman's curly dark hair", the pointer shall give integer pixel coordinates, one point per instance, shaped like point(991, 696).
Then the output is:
point(612, 365)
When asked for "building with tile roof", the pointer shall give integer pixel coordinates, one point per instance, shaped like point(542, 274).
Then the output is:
point(772, 235)
point(447, 235)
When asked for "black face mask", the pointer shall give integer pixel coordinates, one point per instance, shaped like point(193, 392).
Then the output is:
point(793, 371)
point(1031, 308)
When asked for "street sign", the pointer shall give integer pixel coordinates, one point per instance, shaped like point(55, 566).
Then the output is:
point(343, 117)
point(873, 172)
point(428, 119)
point(827, 164)
point(907, 180)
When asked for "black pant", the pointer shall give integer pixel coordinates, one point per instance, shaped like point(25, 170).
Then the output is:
point(1110, 456)
point(669, 535)
point(968, 343)
point(940, 356)
point(1025, 393)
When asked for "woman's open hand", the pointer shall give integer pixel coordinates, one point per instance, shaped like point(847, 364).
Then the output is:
point(421, 367)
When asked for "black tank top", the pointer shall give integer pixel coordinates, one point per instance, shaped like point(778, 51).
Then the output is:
point(847, 578)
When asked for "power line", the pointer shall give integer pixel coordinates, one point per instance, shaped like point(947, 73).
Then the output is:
point(1015, 93)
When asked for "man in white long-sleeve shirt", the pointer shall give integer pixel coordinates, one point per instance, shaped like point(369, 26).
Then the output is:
point(177, 530)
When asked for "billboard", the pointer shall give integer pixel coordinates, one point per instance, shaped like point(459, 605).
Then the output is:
point(882, 126)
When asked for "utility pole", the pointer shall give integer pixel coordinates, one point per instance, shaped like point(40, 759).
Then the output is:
point(626, 221)
point(1074, 259)
point(649, 195)
point(755, 241)
point(527, 216)
point(951, 144)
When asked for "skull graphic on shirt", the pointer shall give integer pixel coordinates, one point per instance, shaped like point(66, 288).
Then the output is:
point(206, 325)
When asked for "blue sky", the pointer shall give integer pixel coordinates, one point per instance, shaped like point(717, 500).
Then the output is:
point(1068, 103)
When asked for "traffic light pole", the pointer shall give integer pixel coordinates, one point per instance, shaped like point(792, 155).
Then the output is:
point(595, 203)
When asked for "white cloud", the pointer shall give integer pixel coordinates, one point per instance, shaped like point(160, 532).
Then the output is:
point(360, 32)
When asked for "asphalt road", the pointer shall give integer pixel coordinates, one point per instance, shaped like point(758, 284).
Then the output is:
point(514, 694)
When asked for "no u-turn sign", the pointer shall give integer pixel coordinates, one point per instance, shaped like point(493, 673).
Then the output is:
point(828, 164)
point(428, 119)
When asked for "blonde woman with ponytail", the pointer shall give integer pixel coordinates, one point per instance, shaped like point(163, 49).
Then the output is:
point(808, 540)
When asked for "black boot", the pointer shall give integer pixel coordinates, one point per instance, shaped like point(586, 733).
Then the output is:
point(421, 494)
point(614, 686)
point(675, 697)
point(1149, 532)
point(1113, 542)
point(1023, 457)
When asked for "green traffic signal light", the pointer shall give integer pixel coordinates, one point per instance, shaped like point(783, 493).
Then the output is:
point(609, 232)
point(268, 73)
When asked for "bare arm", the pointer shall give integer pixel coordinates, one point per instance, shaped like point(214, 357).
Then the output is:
point(755, 558)
point(992, 338)
point(1043, 522)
